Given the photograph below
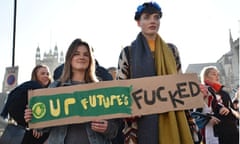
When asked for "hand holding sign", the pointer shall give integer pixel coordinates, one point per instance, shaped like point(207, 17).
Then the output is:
point(114, 99)
point(99, 125)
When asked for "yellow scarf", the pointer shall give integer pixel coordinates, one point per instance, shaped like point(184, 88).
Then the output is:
point(173, 126)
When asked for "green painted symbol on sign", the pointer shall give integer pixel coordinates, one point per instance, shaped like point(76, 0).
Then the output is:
point(89, 103)
point(39, 110)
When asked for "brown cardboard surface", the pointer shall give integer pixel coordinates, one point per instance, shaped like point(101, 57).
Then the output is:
point(171, 93)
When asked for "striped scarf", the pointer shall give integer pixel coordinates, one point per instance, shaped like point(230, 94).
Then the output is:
point(172, 126)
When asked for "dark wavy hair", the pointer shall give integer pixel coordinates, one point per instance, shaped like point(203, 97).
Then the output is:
point(149, 8)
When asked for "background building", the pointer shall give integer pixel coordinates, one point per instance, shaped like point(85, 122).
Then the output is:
point(3, 97)
point(228, 65)
point(52, 59)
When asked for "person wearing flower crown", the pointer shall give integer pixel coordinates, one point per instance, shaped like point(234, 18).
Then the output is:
point(149, 55)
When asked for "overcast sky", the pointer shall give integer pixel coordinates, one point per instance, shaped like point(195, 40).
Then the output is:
point(199, 28)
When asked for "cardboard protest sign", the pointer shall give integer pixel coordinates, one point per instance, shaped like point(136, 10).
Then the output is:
point(114, 99)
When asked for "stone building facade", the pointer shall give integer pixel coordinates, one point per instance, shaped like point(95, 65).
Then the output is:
point(52, 59)
point(228, 66)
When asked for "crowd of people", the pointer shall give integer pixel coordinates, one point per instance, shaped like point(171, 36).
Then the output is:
point(148, 55)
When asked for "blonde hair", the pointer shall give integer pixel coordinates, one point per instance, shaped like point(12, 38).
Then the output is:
point(35, 70)
point(205, 72)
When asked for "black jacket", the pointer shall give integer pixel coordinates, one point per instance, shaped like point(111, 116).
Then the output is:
point(17, 101)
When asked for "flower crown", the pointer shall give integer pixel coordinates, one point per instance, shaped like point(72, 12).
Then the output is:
point(142, 7)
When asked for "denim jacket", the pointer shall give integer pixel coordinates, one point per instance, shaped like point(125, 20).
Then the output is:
point(57, 134)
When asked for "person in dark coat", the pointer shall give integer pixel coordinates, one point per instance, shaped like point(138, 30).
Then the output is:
point(18, 100)
point(225, 128)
